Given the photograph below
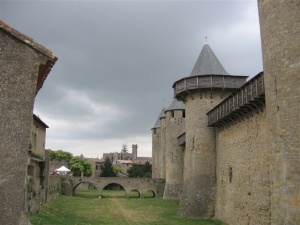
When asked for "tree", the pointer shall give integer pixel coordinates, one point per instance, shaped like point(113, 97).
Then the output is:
point(80, 165)
point(147, 170)
point(107, 170)
point(60, 155)
point(138, 170)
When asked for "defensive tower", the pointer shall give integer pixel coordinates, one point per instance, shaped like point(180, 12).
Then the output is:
point(280, 33)
point(175, 118)
point(162, 153)
point(208, 85)
point(156, 135)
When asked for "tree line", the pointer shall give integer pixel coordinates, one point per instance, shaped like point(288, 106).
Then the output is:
point(77, 164)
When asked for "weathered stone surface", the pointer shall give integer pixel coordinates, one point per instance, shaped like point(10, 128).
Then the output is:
point(175, 126)
point(24, 67)
point(156, 152)
point(243, 172)
point(142, 185)
point(54, 188)
point(19, 72)
point(280, 32)
point(162, 149)
point(199, 174)
point(66, 187)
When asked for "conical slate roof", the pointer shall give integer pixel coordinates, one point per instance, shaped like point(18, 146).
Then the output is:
point(176, 105)
point(161, 115)
point(208, 63)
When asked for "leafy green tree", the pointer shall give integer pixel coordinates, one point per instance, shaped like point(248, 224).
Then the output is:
point(80, 165)
point(147, 170)
point(60, 155)
point(107, 169)
point(117, 169)
point(138, 170)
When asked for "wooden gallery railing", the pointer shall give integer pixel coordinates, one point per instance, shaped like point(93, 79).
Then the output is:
point(248, 98)
point(185, 85)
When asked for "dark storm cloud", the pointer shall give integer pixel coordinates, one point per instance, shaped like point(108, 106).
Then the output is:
point(119, 59)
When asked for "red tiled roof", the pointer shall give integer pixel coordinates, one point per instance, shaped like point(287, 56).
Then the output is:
point(44, 68)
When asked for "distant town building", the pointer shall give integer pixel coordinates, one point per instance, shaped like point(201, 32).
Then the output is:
point(96, 166)
point(124, 159)
point(124, 154)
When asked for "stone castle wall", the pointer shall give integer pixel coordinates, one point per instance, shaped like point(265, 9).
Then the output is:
point(253, 164)
point(175, 126)
point(155, 151)
point(243, 172)
point(280, 33)
point(156, 132)
point(19, 74)
point(199, 183)
point(162, 154)
point(54, 187)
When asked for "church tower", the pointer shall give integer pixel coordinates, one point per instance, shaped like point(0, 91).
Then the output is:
point(207, 85)
point(134, 152)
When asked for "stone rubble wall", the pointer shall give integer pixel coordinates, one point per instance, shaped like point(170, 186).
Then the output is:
point(175, 126)
point(243, 172)
point(162, 149)
point(141, 185)
point(199, 173)
point(280, 34)
point(156, 152)
point(54, 187)
point(19, 73)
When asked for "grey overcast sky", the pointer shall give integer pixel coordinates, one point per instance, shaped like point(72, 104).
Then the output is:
point(117, 62)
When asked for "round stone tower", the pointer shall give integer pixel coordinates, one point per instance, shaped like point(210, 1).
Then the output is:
point(175, 118)
point(162, 153)
point(280, 33)
point(207, 86)
point(156, 143)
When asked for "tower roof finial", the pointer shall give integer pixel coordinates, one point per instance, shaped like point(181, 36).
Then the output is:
point(206, 40)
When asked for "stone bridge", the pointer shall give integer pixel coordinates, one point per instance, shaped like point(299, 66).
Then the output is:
point(142, 185)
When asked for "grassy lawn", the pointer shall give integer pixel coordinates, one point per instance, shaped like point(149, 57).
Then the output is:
point(79, 210)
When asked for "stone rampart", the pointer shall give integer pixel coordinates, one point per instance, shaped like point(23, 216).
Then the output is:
point(162, 153)
point(280, 33)
point(199, 175)
point(156, 152)
point(243, 172)
point(175, 125)
point(54, 188)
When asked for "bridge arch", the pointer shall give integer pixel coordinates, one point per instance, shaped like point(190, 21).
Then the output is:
point(83, 182)
point(151, 193)
point(141, 185)
point(112, 185)
point(132, 194)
